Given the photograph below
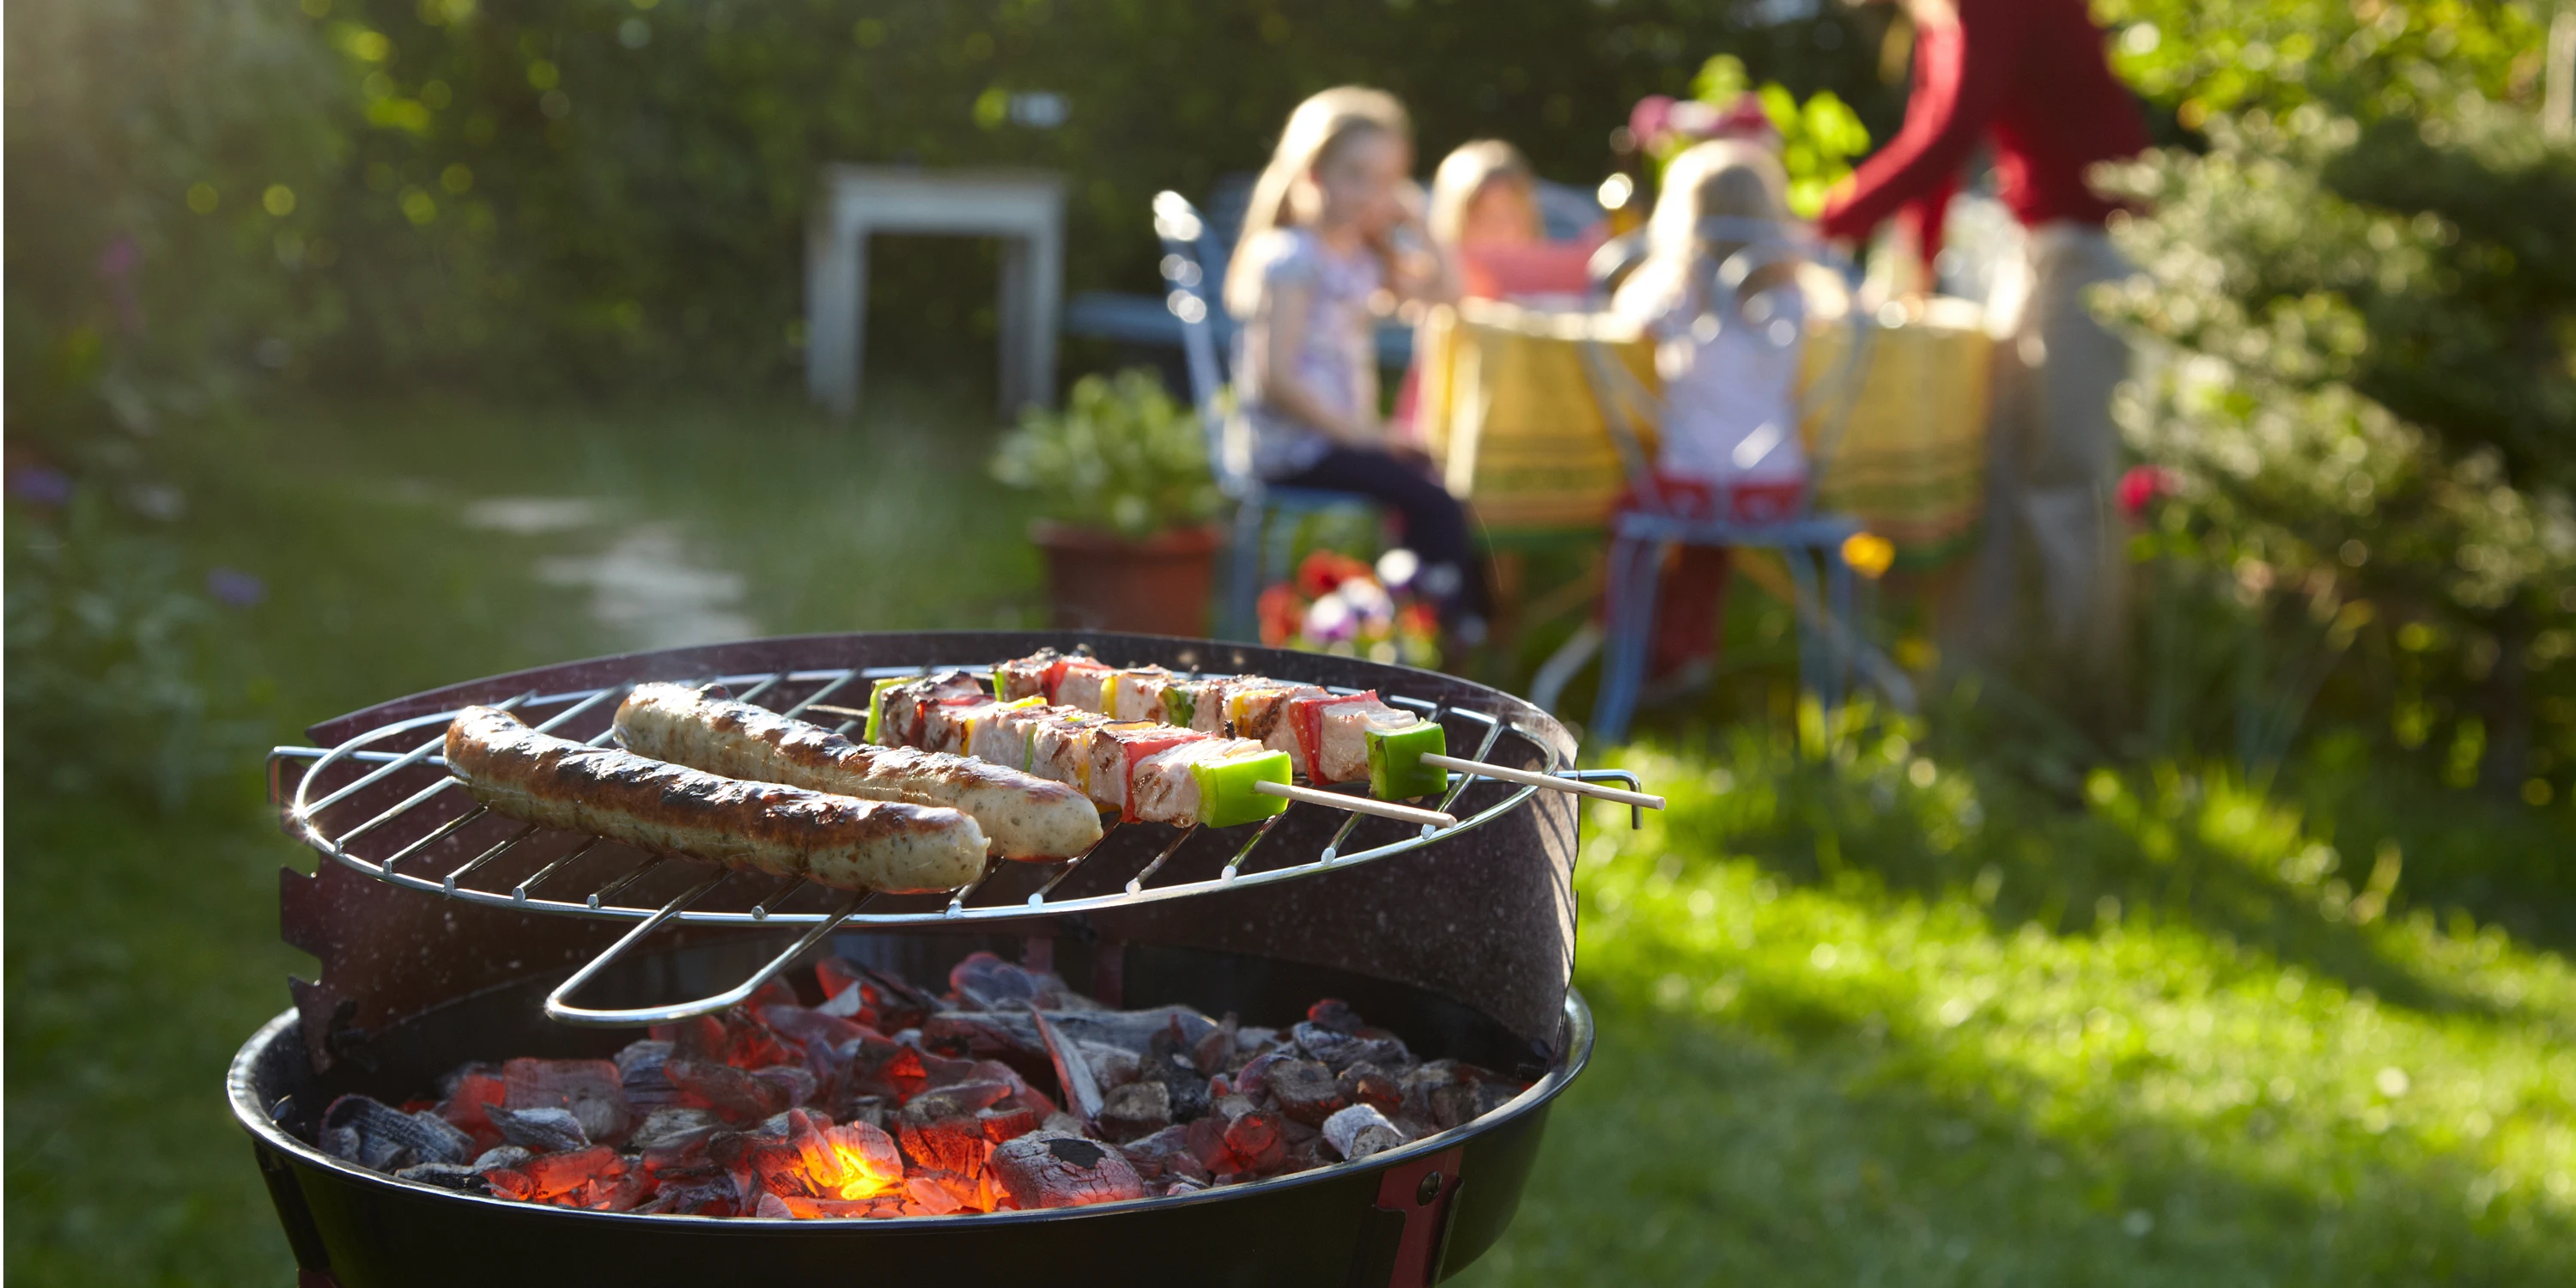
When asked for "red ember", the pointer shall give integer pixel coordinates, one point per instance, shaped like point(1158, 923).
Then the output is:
point(786, 1111)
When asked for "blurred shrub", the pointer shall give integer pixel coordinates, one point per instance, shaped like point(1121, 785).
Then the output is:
point(1121, 457)
point(2367, 58)
point(169, 169)
point(615, 191)
point(1819, 138)
point(2361, 308)
point(109, 656)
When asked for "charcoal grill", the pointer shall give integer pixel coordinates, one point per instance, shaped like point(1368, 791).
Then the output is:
point(1464, 934)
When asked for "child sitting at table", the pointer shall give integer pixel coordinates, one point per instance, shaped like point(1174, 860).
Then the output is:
point(1485, 213)
point(1485, 218)
point(1334, 228)
point(1717, 293)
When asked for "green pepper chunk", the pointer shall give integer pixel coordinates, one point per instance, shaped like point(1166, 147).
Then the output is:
point(1180, 707)
point(1396, 771)
point(876, 704)
point(1226, 794)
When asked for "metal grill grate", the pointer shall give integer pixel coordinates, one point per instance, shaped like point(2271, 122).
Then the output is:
point(434, 838)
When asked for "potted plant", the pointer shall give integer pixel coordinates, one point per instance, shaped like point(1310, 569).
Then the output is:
point(1125, 503)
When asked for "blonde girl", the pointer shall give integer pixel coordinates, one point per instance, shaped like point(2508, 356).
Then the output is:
point(1484, 194)
point(1717, 293)
point(1333, 234)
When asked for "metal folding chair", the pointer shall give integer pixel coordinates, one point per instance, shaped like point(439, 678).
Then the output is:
point(1260, 550)
point(1810, 544)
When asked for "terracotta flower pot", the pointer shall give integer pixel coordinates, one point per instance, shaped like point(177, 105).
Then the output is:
point(1102, 581)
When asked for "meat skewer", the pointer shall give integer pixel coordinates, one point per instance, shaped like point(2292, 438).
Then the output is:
point(1144, 769)
point(1329, 737)
point(1025, 816)
point(830, 840)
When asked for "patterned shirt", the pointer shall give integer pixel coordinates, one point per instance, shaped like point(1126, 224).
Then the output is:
point(1337, 363)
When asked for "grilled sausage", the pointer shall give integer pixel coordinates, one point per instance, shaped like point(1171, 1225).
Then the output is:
point(1026, 816)
point(788, 831)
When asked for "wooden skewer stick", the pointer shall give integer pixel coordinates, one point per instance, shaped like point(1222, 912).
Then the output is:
point(1358, 804)
point(1533, 778)
point(1311, 796)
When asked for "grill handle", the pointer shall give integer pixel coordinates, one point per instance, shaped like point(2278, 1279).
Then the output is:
point(1636, 808)
point(564, 1012)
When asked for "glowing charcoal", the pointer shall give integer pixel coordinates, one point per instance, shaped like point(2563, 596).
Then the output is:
point(592, 1089)
point(1050, 1171)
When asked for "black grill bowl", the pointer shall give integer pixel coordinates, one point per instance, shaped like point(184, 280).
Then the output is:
point(1367, 1224)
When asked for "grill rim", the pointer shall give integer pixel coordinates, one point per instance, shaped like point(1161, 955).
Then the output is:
point(256, 1119)
point(1500, 964)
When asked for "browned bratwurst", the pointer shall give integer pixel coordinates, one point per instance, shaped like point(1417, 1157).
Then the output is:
point(830, 840)
point(1026, 816)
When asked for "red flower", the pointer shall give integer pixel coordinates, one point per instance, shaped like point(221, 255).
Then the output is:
point(1325, 570)
point(1281, 612)
point(1418, 620)
point(2142, 485)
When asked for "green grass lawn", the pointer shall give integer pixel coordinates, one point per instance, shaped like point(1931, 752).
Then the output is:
point(1878, 1014)
point(403, 545)
point(1878, 1020)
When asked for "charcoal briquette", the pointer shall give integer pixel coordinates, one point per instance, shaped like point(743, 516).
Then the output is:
point(544, 1131)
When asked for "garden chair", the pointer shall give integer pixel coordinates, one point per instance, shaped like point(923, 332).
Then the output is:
point(1505, 406)
point(1261, 548)
point(1810, 544)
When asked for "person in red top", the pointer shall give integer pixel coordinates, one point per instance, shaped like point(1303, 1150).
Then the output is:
point(2032, 80)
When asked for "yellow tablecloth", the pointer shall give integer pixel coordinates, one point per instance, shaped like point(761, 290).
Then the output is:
point(1911, 461)
point(1505, 406)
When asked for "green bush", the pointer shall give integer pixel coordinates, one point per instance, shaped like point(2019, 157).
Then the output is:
point(2368, 58)
point(1819, 138)
point(1121, 457)
point(608, 192)
point(110, 652)
point(171, 171)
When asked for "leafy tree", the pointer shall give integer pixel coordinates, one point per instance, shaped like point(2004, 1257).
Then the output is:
point(614, 191)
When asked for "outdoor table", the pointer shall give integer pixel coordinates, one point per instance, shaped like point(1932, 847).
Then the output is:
point(1025, 208)
point(1509, 408)
point(1541, 417)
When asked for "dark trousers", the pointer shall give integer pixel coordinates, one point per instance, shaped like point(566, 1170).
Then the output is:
point(1435, 525)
